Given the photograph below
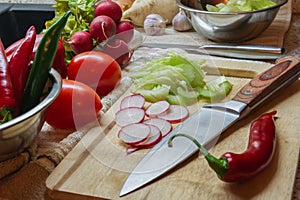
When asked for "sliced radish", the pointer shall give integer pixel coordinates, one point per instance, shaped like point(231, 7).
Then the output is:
point(164, 126)
point(129, 115)
point(153, 138)
point(175, 114)
point(135, 100)
point(131, 150)
point(134, 134)
point(157, 108)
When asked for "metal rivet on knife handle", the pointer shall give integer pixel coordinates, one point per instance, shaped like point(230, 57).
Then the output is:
point(269, 81)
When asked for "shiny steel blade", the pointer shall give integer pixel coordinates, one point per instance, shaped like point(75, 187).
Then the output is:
point(205, 125)
point(246, 51)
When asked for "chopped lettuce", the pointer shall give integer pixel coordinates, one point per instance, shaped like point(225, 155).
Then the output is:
point(261, 4)
point(240, 6)
point(157, 93)
point(178, 80)
point(216, 89)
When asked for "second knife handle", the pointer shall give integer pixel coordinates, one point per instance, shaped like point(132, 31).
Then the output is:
point(269, 81)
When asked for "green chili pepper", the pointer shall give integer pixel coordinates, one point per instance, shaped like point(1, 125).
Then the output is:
point(42, 64)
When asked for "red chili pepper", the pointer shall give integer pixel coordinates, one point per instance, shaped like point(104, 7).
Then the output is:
point(7, 98)
point(232, 167)
point(12, 48)
point(19, 64)
point(58, 62)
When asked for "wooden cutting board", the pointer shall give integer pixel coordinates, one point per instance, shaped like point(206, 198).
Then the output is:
point(98, 166)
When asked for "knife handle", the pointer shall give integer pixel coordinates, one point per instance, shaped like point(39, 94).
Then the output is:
point(285, 71)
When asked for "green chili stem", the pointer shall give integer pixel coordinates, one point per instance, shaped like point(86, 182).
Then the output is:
point(220, 166)
point(6, 115)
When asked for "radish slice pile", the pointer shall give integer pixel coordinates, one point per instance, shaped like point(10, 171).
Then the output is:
point(135, 100)
point(129, 115)
point(157, 108)
point(144, 128)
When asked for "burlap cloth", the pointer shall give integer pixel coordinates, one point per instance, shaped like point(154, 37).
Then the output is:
point(23, 177)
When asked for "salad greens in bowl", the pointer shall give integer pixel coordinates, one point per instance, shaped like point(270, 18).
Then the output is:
point(239, 5)
point(232, 21)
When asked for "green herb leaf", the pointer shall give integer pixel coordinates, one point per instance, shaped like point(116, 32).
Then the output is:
point(82, 13)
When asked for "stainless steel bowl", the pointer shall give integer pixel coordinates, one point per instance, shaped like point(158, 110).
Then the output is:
point(228, 27)
point(18, 134)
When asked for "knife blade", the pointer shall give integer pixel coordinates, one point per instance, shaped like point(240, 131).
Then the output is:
point(207, 123)
point(246, 51)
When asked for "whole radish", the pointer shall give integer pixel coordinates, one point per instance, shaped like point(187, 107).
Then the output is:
point(109, 8)
point(102, 27)
point(119, 50)
point(81, 41)
point(125, 31)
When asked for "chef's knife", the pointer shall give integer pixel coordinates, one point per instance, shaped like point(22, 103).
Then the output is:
point(246, 51)
point(209, 122)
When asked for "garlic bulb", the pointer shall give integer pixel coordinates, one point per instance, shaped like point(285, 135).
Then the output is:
point(154, 24)
point(181, 22)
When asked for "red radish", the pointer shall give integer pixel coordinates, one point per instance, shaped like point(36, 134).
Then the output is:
point(119, 50)
point(164, 126)
point(157, 108)
point(134, 100)
point(102, 27)
point(109, 8)
point(125, 31)
point(129, 115)
point(81, 41)
point(175, 114)
point(134, 134)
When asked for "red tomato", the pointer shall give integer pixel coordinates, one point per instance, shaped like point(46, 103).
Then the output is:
point(96, 69)
point(76, 105)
